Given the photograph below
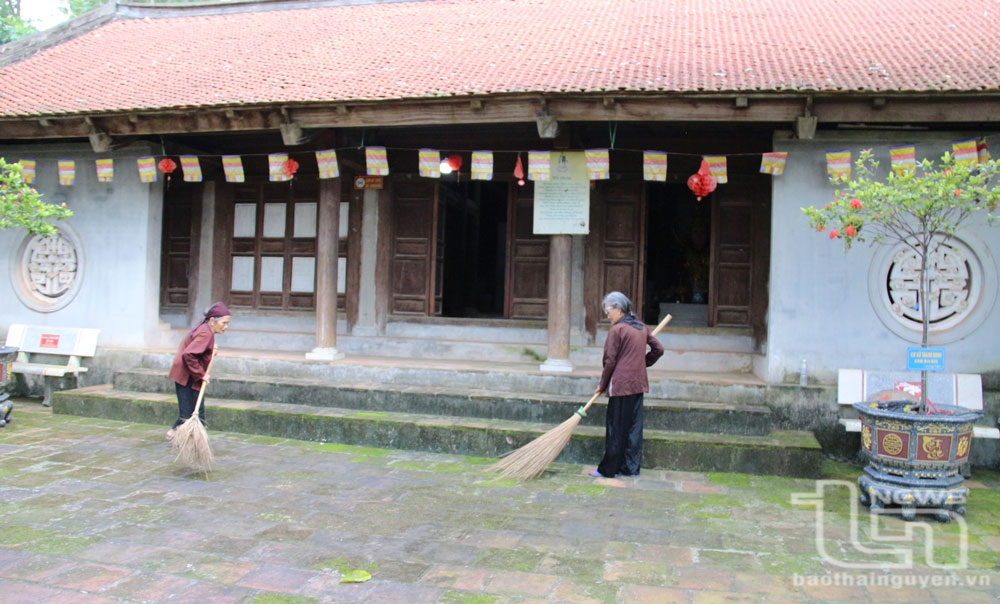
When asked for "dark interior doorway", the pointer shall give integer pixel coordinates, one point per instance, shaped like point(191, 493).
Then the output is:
point(475, 248)
point(677, 255)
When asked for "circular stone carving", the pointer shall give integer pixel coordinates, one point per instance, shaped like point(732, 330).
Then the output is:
point(963, 288)
point(892, 444)
point(47, 271)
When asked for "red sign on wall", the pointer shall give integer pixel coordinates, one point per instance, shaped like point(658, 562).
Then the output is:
point(933, 447)
point(49, 340)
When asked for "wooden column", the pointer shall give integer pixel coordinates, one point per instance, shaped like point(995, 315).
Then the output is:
point(560, 255)
point(327, 241)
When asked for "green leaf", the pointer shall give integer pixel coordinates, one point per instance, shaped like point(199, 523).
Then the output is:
point(356, 576)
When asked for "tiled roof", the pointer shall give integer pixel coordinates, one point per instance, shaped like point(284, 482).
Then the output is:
point(444, 48)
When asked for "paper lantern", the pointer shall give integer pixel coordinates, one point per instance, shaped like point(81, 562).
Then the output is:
point(167, 165)
point(702, 183)
point(290, 167)
point(454, 162)
point(519, 171)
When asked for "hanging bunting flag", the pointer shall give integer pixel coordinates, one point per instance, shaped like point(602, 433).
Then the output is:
point(27, 170)
point(327, 162)
point(482, 165)
point(232, 166)
point(430, 163)
point(773, 163)
point(276, 167)
point(377, 161)
point(982, 151)
point(965, 151)
point(105, 170)
point(147, 169)
point(717, 168)
point(838, 165)
point(191, 168)
point(597, 164)
point(654, 166)
point(539, 167)
point(67, 172)
point(903, 159)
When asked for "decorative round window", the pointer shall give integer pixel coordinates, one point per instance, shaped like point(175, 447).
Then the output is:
point(963, 286)
point(47, 271)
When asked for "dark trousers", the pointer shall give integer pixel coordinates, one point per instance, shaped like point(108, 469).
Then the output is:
point(623, 436)
point(187, 398)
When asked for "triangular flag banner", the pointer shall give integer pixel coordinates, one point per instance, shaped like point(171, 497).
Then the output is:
point(597, 164)
point(276, 167)
point(539, 166)
point(654, 166)
point(773, 163)
point(717, 168)
point(191, 168)
point(105, 170)
point(965, 151)
point(376, 161)
point(838, 165)
point(147, 169)
point(327, 162)
point(903, 159)
point(482, 165)
point(983, 152)
point(67, 171)
point(232, 165)
point(430, 163)
point(27, 170)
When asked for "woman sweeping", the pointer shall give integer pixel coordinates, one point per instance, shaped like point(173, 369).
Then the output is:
point(624, 379)
point(191, 362)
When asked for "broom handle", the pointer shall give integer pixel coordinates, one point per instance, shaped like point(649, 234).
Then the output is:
point(659, 328)
point(201, 392)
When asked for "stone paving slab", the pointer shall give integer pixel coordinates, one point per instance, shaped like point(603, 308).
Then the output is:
point(97, 511)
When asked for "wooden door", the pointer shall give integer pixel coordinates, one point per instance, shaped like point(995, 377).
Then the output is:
point(623, 244)
point(527, 279)
point(179, 254)
point(740, 254)
point(414, 248)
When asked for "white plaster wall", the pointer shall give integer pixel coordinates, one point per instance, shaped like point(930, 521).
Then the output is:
point(119, 224)
point(819, 304)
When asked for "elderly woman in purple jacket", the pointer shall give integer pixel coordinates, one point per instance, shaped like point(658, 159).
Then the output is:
point(624, 379)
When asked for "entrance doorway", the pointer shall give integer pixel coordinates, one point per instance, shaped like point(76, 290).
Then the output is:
point(678, 253)
point(473, 221)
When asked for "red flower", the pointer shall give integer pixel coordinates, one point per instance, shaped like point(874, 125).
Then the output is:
point(834, 234)
point(947, 172)
point(827, 206)
point(849, 231)
point(856, 204)
point(958, 192)
point(820, 227)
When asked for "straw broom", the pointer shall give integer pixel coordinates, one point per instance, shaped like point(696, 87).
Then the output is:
point(531, 460)
point(190, 438)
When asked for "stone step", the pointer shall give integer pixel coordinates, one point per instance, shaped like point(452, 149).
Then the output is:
point(781, 453)
point(443, 399)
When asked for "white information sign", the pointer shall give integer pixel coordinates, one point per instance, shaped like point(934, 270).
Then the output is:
point(562, 203)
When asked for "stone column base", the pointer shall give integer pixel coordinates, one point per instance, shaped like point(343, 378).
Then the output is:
point(556, 365)
point(324, 354)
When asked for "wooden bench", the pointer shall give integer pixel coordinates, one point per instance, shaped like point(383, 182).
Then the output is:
point(960, 389)
point(67, 344)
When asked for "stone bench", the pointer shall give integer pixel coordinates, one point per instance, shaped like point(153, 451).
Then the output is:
point(65, 345)
point(959, 389)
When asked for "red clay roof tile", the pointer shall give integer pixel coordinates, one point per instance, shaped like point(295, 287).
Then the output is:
point(439, 48)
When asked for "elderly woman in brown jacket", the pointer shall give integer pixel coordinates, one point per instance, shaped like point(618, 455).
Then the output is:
point(624, 379)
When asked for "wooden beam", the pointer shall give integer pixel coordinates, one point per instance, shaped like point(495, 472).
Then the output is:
point(762, 109)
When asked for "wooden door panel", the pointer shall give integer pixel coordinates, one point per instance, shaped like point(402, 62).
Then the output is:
point(527, 261)
point(623, 241)
point(413, 247)
point(739, 256)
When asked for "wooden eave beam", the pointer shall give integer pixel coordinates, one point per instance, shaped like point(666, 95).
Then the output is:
point(721, 108)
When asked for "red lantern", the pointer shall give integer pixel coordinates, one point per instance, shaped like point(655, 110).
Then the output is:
point(519, 171)
point(702, 183)
point(290, 167)
point(167, 165)
point(454, 162)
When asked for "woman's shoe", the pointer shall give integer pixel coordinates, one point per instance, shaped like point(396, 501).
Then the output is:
point(596, 474)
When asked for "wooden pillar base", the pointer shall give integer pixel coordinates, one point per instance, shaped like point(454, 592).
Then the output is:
point(324, 354)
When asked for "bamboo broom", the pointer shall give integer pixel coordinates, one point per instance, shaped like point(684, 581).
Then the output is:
point(191, 439)
point(531, 460)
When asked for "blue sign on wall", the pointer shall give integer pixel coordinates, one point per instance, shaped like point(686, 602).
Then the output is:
point(925, 359)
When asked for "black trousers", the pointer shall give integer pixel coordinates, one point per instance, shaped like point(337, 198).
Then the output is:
point(623, 436)
point(187, 398)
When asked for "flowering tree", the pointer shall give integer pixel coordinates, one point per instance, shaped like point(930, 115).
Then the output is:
point(920, 208)
point(21, 204)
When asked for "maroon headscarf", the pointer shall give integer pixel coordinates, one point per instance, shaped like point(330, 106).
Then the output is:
point(219, 309)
